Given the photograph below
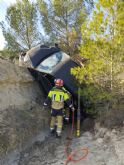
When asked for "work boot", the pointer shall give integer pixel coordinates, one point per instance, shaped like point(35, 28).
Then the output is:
point(66, 120)
point(52, 131)
point(58, 135)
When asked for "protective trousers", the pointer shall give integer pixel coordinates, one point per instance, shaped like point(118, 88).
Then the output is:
point(56, 116)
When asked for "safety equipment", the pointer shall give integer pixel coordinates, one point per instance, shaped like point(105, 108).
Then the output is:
point(77, 153)
point(78, 113)
point(52, 130)
point(59, 82)
point(44, 104)
point(57, 105)
point(73, 109)
point(56, 116)
point(57, 97)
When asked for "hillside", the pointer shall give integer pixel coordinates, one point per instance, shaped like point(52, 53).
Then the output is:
point(21, 115)
point(24, 131)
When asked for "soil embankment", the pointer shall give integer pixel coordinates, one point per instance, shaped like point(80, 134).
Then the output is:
point(24, 132)
point(105, 147)
point(21, 114)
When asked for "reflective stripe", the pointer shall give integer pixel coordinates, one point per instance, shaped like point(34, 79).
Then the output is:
point(53, 97)
point(61, 98)
point(58, 95)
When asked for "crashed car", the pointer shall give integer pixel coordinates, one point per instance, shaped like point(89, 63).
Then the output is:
point(48, 63)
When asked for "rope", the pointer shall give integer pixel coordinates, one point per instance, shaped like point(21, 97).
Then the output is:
point(75, 153)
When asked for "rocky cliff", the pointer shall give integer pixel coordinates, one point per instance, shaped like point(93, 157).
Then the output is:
point(21, 114)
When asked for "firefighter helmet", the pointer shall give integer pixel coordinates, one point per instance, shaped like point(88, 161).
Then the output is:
point(59, 82)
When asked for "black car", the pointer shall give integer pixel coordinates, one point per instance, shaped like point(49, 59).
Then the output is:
point(48, 63)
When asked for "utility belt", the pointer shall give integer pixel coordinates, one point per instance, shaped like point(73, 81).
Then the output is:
point(57, 105)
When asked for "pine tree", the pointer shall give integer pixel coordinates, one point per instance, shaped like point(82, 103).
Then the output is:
point(103, 47)
point(20, 28)
point(62, 21)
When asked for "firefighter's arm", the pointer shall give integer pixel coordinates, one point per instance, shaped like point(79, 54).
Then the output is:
point(48, 99)
point(72, 107)
point(68, 102)
point(66, 91)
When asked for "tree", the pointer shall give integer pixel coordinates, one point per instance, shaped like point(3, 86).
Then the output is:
point(103, 46)
point(21, 29)
point(62, 21)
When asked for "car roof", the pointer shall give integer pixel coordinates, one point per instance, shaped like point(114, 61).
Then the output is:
point(40, 52)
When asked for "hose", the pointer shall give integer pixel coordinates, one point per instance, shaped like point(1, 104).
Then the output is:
point(75, 153)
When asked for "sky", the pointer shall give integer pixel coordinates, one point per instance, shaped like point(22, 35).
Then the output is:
point(3, 6)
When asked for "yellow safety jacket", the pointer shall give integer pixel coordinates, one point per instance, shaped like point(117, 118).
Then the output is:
point(58, 97)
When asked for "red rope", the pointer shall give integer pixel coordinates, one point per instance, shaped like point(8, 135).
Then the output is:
point(70, 157)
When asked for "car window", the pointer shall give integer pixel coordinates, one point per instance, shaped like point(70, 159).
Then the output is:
point(51, 62)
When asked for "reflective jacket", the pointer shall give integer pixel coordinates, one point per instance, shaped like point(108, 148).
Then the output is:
point(57, 97)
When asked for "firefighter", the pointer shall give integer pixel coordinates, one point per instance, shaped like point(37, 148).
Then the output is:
point(57, 97)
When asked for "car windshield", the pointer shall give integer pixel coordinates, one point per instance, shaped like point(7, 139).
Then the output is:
point(51, 62)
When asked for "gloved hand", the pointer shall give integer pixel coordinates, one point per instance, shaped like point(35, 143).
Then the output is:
point(73, 109)
point(44, 104)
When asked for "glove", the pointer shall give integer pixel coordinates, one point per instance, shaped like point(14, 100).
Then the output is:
point(73, 109)
point(44, 104)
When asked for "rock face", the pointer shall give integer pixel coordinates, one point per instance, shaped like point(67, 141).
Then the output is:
point(21, 114)
point(17, 87)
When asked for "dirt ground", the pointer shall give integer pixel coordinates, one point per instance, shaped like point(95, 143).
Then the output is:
point(105, 147)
